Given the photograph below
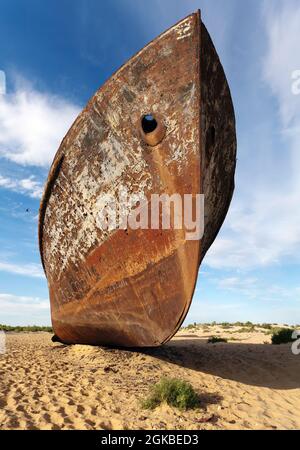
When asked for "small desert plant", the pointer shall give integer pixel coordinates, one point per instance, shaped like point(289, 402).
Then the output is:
point(191, 326)
point(238, 324)
point(174, 392)
point(216, 339)
point(266, 326)
point(282, 336)
point(244, 330)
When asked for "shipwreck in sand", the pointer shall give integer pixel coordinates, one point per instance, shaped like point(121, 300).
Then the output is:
point(163, 123)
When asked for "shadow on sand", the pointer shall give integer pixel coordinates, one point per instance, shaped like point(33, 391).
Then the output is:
point(253, 364)
point(261, 365)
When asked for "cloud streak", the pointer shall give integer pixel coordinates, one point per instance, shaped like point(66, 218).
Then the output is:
point(253, 288)
point(11, 301)
point(27, 186)
point(28, 270)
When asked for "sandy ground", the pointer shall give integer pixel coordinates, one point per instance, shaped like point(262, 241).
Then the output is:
point(243, 384)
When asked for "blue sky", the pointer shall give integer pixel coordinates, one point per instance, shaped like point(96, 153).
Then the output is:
point(56, 54)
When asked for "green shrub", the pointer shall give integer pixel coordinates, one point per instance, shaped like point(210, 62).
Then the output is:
point(282, 336)
point(244, 324)
point(216, 339)
point(245, 330)
point(225, 325)
point(273, 330)
point(174, 392)
point(24, 328)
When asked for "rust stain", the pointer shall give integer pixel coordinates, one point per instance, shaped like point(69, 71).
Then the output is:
point(134, 287)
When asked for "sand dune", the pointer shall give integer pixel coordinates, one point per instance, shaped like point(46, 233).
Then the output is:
point(242, 385)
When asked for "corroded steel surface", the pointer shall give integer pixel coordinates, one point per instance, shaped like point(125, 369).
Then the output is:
point(134, 287)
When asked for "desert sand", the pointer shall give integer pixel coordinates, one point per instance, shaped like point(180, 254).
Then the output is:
point(243, 384)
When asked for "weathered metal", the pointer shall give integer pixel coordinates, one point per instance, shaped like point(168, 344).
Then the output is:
point(134, 287)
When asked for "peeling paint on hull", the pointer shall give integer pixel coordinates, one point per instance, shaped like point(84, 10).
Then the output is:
point(134, 287)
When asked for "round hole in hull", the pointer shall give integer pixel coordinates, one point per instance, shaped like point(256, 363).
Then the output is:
point(152, 129)
point(149, 123)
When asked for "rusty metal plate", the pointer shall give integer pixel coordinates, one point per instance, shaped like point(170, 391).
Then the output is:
point(134, 287)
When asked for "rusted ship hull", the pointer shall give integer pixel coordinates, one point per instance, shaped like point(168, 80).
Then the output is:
point(134, 287)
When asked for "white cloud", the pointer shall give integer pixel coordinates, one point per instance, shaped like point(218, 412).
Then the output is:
point(11, 301)
point(32, 125)
point(29, 270)
point(27, 186)
point(262, 227)
point(235, 282)
point(261, 230)
point(254, 288)
point(283, 56)
point(21, 310)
